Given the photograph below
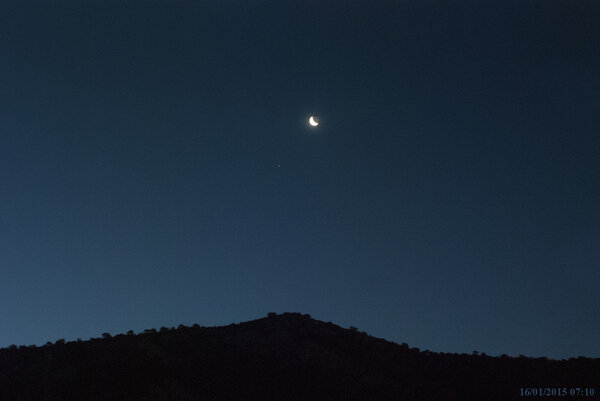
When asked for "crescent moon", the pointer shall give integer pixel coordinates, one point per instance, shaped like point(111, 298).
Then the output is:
point(312, 121)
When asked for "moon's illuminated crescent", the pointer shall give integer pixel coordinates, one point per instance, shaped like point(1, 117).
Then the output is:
point(312, 121)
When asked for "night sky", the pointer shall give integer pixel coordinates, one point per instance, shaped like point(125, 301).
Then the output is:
point(157, 168)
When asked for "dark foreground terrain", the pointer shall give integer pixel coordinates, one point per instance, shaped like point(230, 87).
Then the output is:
point(280, 357)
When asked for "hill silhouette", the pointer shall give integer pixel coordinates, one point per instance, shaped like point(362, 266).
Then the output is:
point(280, 357)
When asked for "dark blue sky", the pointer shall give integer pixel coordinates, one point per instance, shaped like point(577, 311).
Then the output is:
point(156, 168)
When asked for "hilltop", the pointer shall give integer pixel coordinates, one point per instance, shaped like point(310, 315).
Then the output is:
point(288, 356)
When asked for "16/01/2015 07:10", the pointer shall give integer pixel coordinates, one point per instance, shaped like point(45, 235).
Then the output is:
point(557, 391)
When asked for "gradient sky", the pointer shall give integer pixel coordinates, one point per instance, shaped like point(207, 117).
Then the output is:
point(156, 168)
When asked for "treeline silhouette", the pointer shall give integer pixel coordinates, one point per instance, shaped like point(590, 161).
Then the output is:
point(280, 357)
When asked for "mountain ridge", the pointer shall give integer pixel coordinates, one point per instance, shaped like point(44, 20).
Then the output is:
point(287, 356)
